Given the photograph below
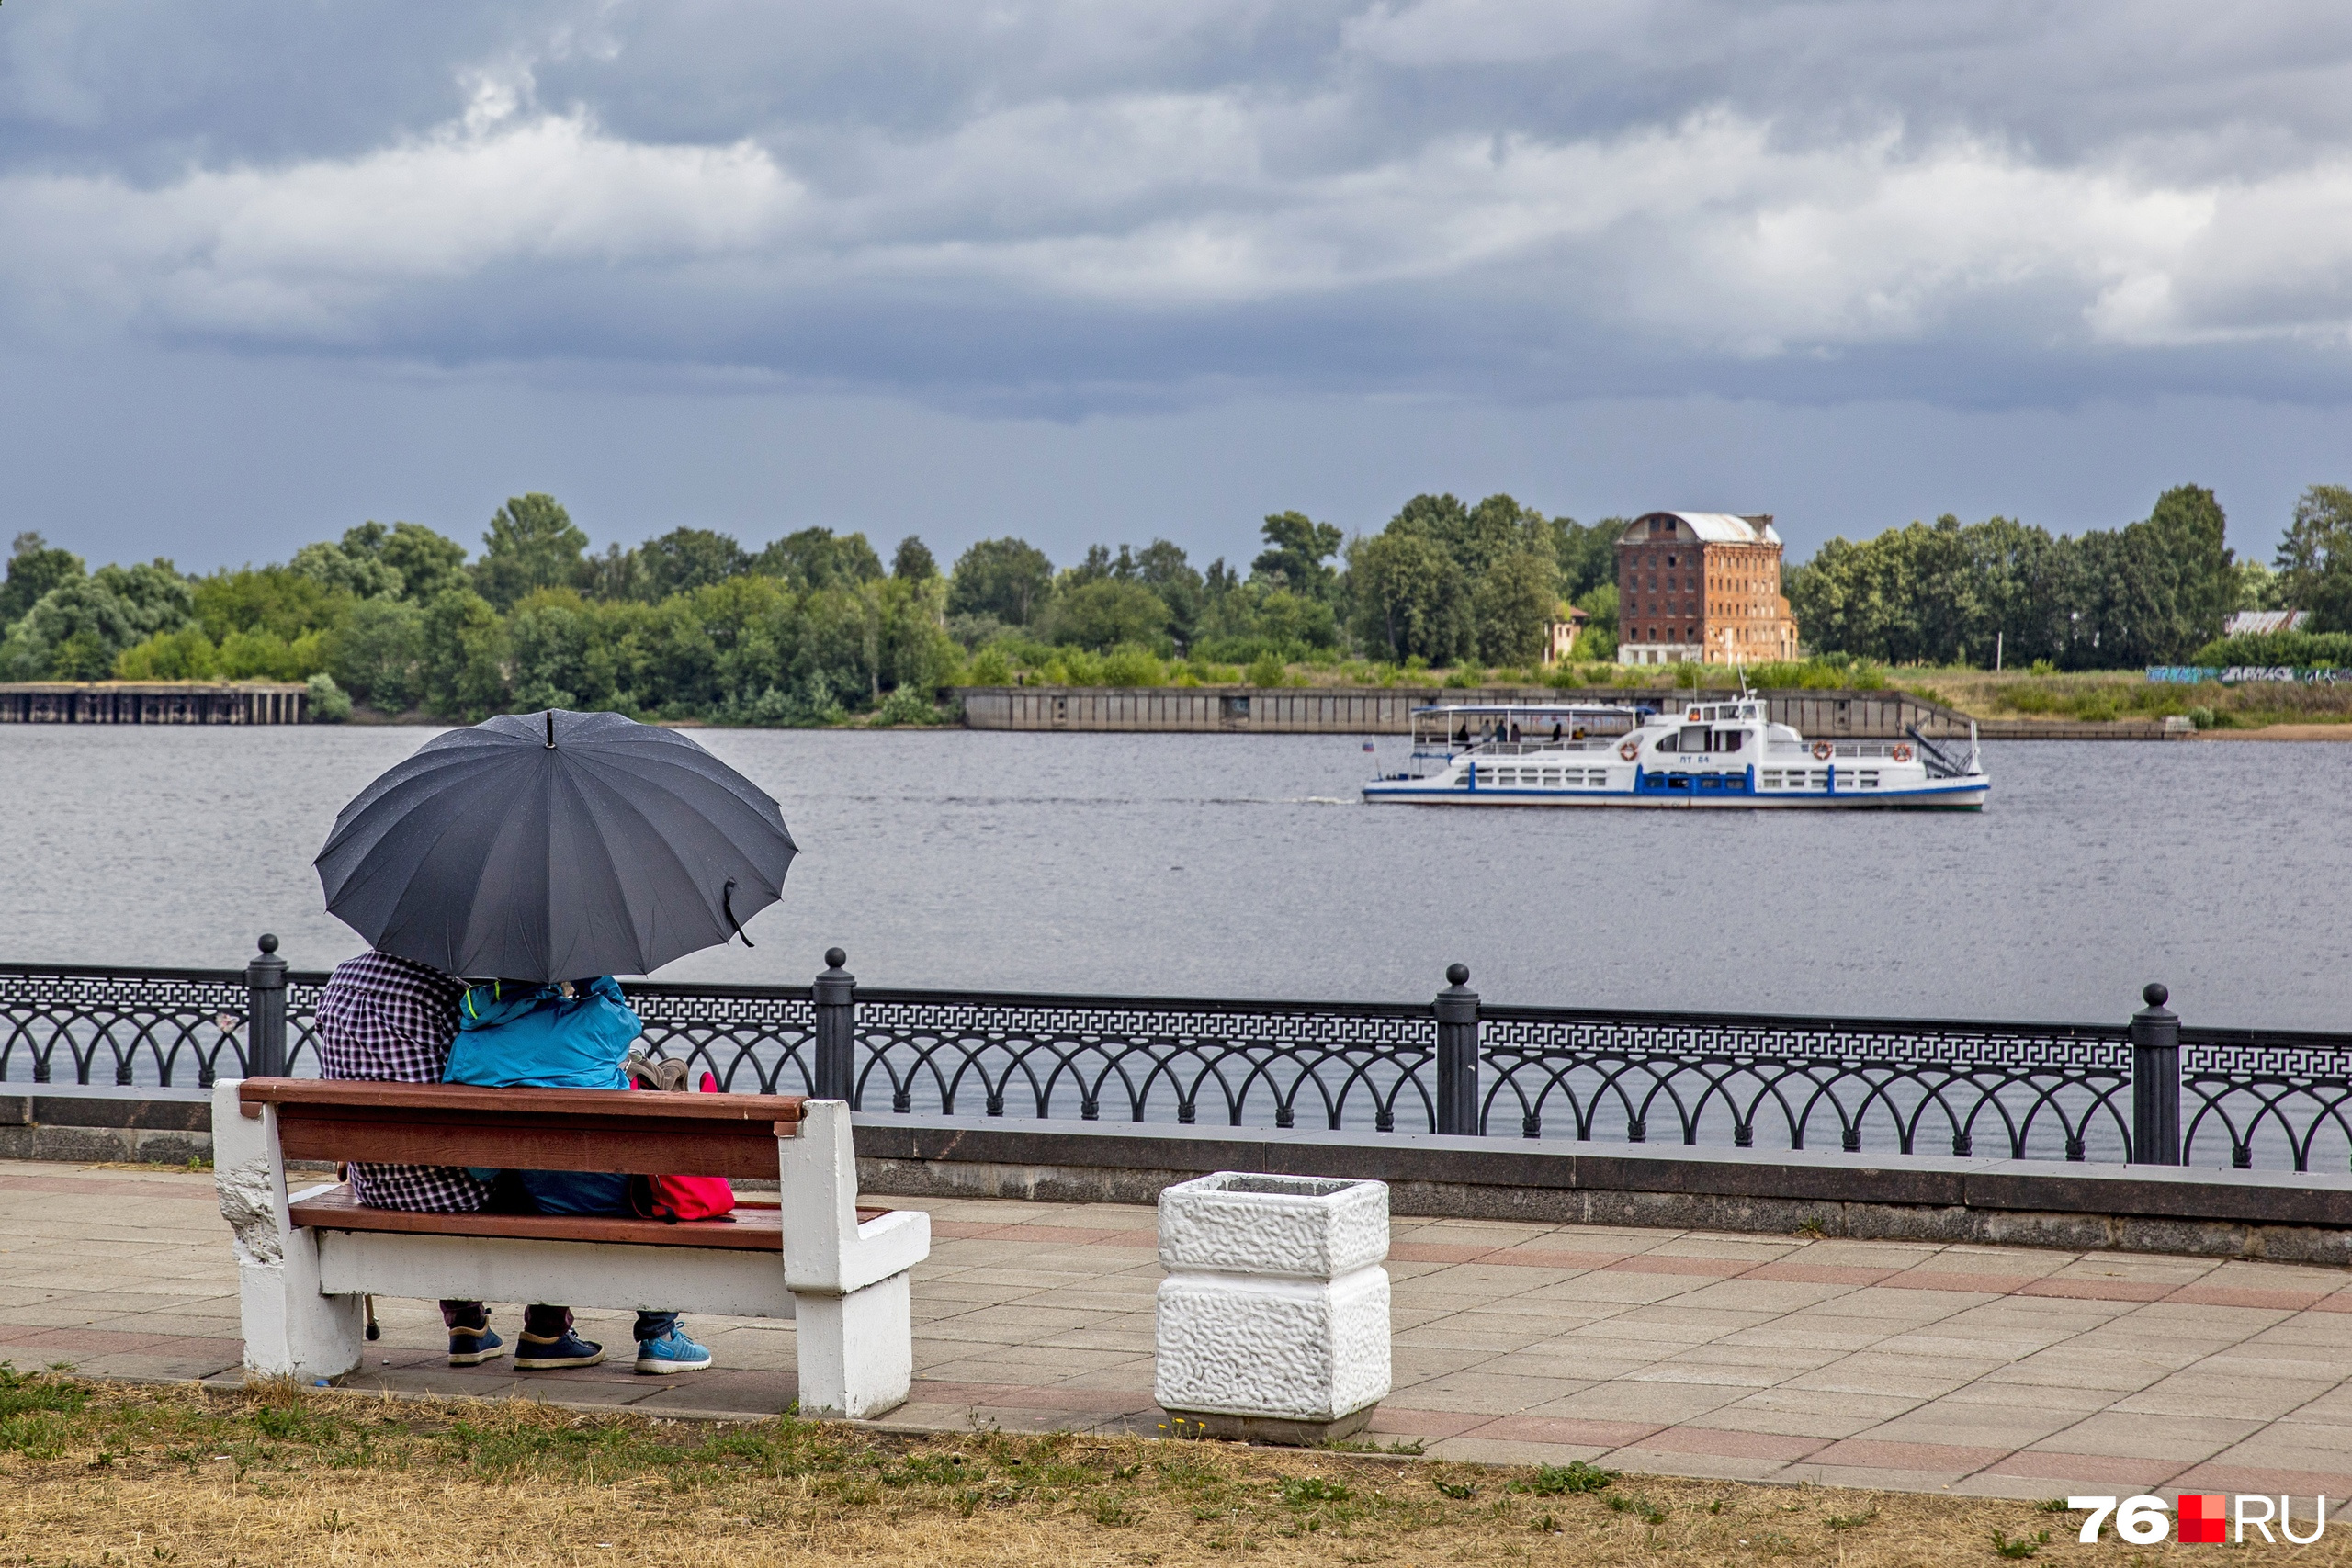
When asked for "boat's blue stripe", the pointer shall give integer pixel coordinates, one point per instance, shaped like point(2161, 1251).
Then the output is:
point(1520, 792)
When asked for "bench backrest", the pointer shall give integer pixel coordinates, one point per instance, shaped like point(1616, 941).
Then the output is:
point(641, 1134)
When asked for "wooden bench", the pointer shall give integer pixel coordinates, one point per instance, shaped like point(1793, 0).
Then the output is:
point(306, 1258)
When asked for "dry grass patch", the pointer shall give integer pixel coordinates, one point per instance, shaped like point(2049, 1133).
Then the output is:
point(93, 1473)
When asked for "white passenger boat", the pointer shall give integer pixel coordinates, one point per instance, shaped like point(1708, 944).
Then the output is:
point(1717, 753)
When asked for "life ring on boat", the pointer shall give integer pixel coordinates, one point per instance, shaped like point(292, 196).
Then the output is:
point(1630, 749)
point(1899, 753)
point(1821, 749)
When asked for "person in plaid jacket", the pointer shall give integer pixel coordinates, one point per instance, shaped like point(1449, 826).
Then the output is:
point(389, 1020)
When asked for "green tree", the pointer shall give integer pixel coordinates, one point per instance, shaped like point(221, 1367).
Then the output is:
point(1410, 598)
point(183, 655)
point(1106, 612)
point(271, 598)
point(33, 570)
point(362, 573)
point(2315, 561)
point(1162, 566)
point(379, 653)
point(430, 564)
point(686, 559)
point(818, 559)
point(912, 561)
point(465, 653)
point(1008, 578)
point(74, 632)
point(1515, 596)
point(1296, 548)
point(1588, 555)
point(531, 543)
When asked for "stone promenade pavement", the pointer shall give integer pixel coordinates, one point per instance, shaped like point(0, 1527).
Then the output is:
point(1973, 1368)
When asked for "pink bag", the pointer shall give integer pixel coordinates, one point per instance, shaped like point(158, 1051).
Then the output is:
point(675, 1197)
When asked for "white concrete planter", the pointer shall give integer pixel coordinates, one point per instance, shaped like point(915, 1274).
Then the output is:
point(1273, 1319)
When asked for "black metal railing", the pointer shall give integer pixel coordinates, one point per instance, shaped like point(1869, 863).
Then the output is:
point(2146, 1091)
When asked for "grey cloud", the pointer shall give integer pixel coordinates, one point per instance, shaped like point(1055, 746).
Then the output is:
point(1059, 207)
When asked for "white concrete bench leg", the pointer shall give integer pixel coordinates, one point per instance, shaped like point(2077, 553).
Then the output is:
point(290, 1329)
point(852, 1309)
point(856, 1350)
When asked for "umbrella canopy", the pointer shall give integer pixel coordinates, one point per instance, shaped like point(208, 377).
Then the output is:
point(555, 846)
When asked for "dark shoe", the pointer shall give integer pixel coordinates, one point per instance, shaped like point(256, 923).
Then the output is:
point(534, 1353)
point(472, 1346)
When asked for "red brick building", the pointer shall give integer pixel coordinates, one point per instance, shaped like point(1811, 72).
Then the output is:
point(1702, 586)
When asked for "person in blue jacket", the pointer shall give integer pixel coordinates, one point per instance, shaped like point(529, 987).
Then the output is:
point(514, 1034)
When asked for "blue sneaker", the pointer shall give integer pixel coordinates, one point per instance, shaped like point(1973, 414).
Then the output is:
point(472, 1346)
point(673, 1352)
point(533, 1354)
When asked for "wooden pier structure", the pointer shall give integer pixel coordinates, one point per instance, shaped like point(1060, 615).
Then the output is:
point(152, 702)
point(1388, 710)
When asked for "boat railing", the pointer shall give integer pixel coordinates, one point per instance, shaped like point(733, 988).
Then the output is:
point(1838, 749)
point(1522, 747)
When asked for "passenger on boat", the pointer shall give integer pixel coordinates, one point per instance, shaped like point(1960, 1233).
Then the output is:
point(1515, 732)
point(1555, 729)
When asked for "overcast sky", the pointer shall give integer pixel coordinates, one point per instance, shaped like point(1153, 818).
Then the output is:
point(1111, 271)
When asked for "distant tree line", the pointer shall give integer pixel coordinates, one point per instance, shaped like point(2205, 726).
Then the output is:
point(2152, 592)
point(807, 628)
point(815, 626)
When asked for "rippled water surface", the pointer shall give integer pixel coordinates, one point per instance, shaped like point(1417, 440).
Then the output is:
point(1241, 865)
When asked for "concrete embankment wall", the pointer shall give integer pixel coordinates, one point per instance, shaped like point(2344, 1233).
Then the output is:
point(2279, 1216)
point(1378, 710)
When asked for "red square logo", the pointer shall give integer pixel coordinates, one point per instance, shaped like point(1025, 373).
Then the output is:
point(2204, 1518)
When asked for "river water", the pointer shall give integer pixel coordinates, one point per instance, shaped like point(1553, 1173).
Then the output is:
point(1242, 865)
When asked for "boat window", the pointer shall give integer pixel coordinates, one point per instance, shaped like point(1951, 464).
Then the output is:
point(1695, 738)
point(1730, 739)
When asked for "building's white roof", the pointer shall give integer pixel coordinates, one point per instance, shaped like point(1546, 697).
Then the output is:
point(2246, 621)
point(1727, 529)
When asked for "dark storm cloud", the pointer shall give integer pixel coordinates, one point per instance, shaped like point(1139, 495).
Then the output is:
point(1060, 209)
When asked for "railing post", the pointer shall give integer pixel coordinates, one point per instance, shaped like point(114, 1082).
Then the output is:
point(266, 1012)
point(1457, 1055)
point(835, 1076)
point(2155, 1081)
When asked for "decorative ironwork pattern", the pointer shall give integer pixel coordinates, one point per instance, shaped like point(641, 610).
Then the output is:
point(753, 1042)
point(1145, 1059)
point(2018, 1091)
point(2286, 1097)
point(121, 1026)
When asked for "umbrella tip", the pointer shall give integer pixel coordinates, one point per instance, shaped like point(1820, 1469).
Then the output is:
point(550, 729)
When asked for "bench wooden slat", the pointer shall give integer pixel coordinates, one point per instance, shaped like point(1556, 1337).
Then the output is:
point(355, 1094)
point(636, 1151)
point(756, 1227)
point(533, 1129)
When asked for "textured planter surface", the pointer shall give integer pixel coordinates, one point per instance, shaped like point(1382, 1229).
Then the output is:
point(1306, 1227)
point(1275, 1308)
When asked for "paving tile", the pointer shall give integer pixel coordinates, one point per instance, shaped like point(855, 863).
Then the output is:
point(1486, 1393)
point(2199, 1393)
point(2184, 1438)
point(1997, 1371)
point(2060, 1474)
point(1804, 1412)
point(1650, 1403)
point(1642, 1458)
point(1474, 1449)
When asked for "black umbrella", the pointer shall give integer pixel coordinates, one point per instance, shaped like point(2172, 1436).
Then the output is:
point(555, 846)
